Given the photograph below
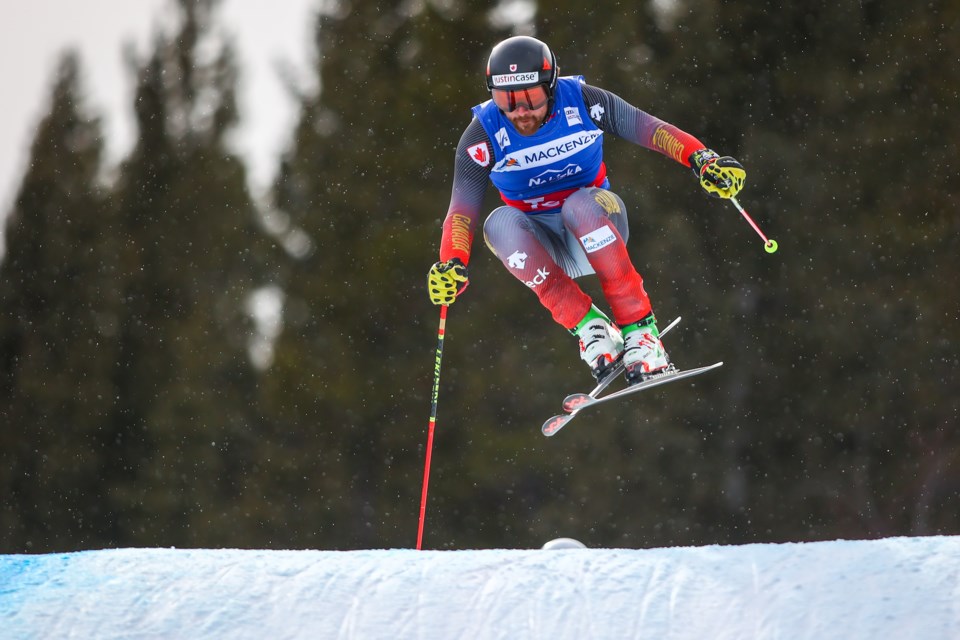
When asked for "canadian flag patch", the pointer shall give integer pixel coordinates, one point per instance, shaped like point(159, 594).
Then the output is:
point(480, 153)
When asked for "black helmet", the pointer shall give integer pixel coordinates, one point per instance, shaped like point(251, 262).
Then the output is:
point(520, 62)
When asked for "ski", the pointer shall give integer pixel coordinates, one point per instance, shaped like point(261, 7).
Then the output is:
point(556, 423)
point(576, 402)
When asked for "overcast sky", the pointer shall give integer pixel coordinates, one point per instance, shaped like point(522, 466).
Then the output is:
point(33, 34)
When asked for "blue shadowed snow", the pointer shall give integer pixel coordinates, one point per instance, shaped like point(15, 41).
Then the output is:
point(896, 588)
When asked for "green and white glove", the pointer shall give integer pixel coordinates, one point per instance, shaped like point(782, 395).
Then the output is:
point(446, 280)
point(721, 177)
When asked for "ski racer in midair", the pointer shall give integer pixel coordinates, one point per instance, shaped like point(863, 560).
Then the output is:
point(539, 139)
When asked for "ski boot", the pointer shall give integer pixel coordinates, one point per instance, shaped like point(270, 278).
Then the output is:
point(601, 343)
point(643, 354)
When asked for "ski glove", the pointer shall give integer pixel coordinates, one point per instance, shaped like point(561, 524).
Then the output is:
point(446, 280)
point(721, 177)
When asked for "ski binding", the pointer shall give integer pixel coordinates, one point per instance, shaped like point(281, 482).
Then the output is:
point(576, 402)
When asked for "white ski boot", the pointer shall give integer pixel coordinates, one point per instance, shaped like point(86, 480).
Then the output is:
point(643, 355)
point(600, 344)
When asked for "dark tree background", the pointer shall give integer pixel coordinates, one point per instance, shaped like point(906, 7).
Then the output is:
point(133, 415)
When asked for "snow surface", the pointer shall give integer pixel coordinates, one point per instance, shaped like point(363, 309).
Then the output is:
point(896, 588)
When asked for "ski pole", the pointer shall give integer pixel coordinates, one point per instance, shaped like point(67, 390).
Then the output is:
point(769, 245)
point(433, 421)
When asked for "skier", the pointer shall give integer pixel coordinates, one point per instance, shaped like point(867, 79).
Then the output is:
point(539, 139)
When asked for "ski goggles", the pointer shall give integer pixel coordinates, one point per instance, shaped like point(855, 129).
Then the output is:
point(510, 100)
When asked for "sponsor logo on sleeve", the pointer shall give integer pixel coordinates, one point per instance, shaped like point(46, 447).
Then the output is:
point(596, 240)
point(461, 237)
point(479, 153)
point(607, 200)
point(668, 143)
point(596, 112)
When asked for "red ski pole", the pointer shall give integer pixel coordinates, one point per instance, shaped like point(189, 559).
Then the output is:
point(433, 421)
point(769, 245)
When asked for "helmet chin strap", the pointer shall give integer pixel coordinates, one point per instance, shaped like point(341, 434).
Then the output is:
point(549, 114)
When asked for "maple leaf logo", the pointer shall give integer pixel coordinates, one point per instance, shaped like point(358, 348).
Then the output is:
point(479, 153)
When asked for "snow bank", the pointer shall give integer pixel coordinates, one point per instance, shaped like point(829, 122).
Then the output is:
point(898, 588)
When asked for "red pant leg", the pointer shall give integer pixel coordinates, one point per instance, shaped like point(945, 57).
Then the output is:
point(513, 238)
point(596, 217)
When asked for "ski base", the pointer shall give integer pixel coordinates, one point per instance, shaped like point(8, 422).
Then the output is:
point(576, 402)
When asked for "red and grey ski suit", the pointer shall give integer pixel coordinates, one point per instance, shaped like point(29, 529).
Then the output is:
point(559, 220)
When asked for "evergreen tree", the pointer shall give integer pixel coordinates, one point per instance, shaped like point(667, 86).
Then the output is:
point(59, 314)
point(123, 330)
point(815, 428)
point(125, 325)
point(368, 180)
point(194, 254)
